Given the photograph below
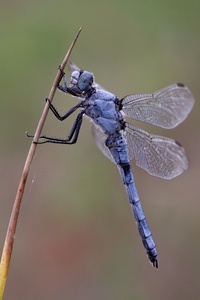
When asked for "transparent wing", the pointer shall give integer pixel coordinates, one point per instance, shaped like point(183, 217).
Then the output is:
point(100, 138)
point(159, 156)
point(165, 108)
point(73, 67)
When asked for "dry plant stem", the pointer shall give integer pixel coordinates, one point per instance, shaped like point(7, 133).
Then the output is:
point(8, 245)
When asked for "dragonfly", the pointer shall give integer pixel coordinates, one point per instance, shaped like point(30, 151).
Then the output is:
point(120, 141)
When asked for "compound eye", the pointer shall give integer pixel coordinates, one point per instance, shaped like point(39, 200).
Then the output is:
point(85, 81)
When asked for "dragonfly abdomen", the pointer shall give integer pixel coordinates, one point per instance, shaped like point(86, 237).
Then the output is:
point(139, 215)
point(118, 149)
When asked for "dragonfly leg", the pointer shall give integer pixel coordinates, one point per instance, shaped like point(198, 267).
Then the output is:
point(67, 114)
point(63, 87)
point(63, 77)
point(71, 138)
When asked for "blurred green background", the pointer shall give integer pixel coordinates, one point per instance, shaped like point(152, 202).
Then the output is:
point(76, 237)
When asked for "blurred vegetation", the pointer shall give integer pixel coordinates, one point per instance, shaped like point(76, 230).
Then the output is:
point(76, 236)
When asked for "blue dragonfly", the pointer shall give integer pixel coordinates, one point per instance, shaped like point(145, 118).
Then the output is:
point(120, 141)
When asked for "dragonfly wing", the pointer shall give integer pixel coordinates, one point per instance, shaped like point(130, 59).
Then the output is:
point(100, 138)
point(166, 108)
point(159, 156)
point(72, 67)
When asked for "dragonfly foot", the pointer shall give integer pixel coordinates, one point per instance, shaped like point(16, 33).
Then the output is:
point(48, 100)
point(61, 71)
point(29, 135)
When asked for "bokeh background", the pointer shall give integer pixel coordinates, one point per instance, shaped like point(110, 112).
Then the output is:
point(76, 237)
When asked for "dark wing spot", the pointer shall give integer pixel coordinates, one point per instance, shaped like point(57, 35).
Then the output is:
point(179, 144)
point(181, 84)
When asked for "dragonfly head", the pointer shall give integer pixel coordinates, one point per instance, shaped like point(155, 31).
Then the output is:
point(81, 81)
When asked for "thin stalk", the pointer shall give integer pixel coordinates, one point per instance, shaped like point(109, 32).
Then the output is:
point(9, 240)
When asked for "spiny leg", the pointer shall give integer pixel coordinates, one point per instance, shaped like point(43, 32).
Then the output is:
point(62, 77)
point(67, 114)
point(72, 137)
